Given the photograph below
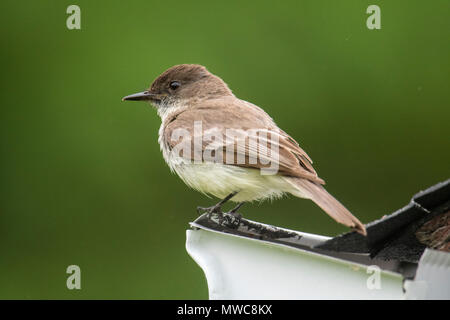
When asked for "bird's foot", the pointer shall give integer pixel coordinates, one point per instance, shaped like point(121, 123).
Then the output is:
point(216, 210)
point(232, 217)
point(215, 213)
point(235, 209)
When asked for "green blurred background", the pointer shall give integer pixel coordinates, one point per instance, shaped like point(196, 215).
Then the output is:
point(82, 180)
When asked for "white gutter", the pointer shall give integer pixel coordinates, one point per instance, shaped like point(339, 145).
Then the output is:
point(238, 267)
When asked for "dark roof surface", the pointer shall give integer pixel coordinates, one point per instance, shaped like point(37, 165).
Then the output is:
point(391, 241)
point(394, 236)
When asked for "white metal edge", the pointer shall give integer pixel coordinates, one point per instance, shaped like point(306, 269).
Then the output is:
point(220, 284)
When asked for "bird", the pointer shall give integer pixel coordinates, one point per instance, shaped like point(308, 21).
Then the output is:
point(229, 148)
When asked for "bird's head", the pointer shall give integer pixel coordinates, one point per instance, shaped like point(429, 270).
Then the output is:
point(182, 85)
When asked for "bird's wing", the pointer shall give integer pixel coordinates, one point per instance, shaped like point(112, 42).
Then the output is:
point(238, 133)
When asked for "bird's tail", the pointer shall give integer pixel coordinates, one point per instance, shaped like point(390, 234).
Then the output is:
point(307, 189)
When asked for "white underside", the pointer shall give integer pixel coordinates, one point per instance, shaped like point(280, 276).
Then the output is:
point(220, 180)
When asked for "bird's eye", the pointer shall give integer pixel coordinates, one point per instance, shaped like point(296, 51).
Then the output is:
point(174, 85)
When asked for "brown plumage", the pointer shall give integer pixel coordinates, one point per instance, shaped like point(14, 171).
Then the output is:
point(200, 97)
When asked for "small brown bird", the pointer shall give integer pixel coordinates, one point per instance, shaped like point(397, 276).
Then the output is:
point(230, 148)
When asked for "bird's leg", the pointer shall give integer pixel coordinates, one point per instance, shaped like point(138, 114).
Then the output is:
point(234, 212)
point(216, 208)
point(232, 217)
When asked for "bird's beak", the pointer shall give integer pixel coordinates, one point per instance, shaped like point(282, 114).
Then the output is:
point(141, 96)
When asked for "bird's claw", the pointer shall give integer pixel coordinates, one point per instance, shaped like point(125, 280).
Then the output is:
point(232, 218)
point(209, 210)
